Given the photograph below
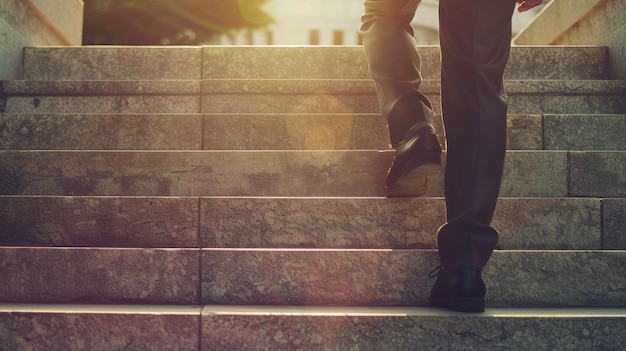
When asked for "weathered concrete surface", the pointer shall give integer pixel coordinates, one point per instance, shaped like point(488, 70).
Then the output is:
point(91, 275)
point(390, 223)
point(394, 329)
point(590, 22)
point(98, 327)
point(247, 173)
point(99, 222)
point(400, 277)
point(614, 229)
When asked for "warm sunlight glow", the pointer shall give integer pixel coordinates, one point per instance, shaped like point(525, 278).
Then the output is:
point(249, 11)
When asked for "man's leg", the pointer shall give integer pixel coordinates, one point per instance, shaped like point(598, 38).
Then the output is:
point(475, 37)
point(395, 67)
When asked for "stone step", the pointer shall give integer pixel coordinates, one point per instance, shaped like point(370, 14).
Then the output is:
point(270, 86)
point(584, 132)
point(341, 223)
point(286, 96)
point(133, 222)
point(358, 96)
point(280, 132)
point(299, 276)
point(99, 327)
point(338, 62)
point(102, 131)
point(369, 131)
point(394, 329)
point(400, 277)
point(286, 173)
point(228, 328)
point(346, 328)
point(168, 223)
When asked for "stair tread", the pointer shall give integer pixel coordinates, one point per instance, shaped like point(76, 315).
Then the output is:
point(495, 312)
point(285, 310)
point(42, 308)
point(271, 61)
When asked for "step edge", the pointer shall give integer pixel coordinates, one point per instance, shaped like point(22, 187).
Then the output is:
point(308, 311)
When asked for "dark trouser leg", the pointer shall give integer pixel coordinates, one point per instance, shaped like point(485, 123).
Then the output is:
point(394, 64)
point(475, 38)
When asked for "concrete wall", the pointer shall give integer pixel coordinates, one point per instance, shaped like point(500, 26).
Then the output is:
point(583, 22)
point(36, 23)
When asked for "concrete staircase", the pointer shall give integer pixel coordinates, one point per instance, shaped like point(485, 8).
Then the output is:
point(230, 198)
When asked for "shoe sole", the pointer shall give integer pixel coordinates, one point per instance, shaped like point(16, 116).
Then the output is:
point(466, 304)
point(415, 172)
point(461, 304)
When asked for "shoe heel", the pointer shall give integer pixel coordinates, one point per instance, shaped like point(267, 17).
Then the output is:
point(416, 170)
point(428, 162)
point(466, 304)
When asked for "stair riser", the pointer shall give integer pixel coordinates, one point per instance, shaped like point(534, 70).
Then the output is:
point(270, 87)
point(350, 104)
point(99, 275)
point(282, 223)
point(350, 63)
point(185, 132)
point(112, 63)
point(580, 132)
point(392, 223)
point(275, 62)
point(614, 212)
point(226, 132)
point(598, 173)
point(304, 173)
point(99, 222)
point(101, 132)
point(147, 104)
point(75, 331)
point(368, 278)
point(237, 173)
point(281, 132)
point(288, 104)
point(301, 277)
point(396, 333)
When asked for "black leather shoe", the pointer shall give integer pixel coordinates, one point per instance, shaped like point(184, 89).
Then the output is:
point(462, 290)
point(417, 157)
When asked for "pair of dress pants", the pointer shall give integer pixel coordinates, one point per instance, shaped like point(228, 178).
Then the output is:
point(475, 39)
point(394, 64)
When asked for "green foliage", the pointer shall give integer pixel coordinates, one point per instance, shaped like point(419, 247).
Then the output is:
point(168, 22)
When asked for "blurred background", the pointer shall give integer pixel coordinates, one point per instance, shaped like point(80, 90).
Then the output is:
point(243, 22)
